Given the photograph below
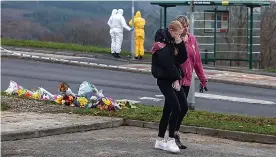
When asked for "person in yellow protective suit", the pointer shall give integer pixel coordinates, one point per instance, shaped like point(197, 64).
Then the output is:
point(139, 24)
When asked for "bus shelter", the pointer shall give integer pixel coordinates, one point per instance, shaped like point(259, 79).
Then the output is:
point(218, 23)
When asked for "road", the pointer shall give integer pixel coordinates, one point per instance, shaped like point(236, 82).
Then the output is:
point(132, 86)
point(77, 56)
point(130, 141)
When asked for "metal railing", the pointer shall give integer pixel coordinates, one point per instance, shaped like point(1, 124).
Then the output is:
point(215, 47)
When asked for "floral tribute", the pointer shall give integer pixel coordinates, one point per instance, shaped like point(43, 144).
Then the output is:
point(88, 96)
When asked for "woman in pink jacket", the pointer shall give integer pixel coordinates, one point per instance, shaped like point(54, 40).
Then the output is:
point(193, 62)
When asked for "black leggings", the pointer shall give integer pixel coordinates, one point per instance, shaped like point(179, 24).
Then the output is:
point(186, 90)
point(175, 106)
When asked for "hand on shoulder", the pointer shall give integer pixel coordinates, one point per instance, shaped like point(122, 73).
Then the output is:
point(178, 39)
point(185, 38)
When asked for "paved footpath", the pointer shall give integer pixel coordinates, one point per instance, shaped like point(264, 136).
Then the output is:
point(30, 124)
point(108, 62)
point(130, 142)
point(227, 76)
point(116, 141)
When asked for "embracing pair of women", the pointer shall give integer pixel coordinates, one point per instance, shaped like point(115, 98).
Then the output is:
point(175, 54)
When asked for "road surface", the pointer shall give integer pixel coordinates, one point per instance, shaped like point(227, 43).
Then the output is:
point(224, 98)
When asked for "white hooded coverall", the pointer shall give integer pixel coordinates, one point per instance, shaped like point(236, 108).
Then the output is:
point(111, 31)
point(118, 24)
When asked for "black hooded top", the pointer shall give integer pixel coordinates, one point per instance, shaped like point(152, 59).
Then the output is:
point(165, 64)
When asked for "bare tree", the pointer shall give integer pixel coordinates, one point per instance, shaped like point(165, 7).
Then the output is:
point(85, 32)
point(238, 16)
point(268, 37)
point(52, 37)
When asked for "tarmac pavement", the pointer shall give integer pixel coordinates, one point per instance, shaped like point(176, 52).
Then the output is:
point(130, 141)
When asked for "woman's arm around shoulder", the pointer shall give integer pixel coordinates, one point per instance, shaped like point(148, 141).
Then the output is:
point(166, 60)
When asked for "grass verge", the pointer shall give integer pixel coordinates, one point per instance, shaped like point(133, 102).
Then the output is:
point(270, 70)
point(4, 107)
point(60, 46)
point(261, 125)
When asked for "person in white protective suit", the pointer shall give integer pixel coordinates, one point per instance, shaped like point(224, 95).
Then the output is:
point(118, 24)
point(111, 31)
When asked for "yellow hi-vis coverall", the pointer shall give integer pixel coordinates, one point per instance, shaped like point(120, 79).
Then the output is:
point(139, 24)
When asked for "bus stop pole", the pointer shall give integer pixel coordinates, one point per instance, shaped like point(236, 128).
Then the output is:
point(191, 95)
point(165, 17)
point(161, 17)
point(132, 32)
point(251, 37)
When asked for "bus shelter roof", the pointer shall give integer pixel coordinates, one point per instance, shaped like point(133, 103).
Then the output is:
point(255, 3)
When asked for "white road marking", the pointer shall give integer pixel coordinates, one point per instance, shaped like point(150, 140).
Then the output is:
point(35, 56)
point(18, 54)
point(103, 65)
point(26, 55)
point(45, 58)
point(90, 58)
point(93, 63)
point(132, 68)
point(150, 98)
point(84, 62)
point(121, 67)
point(159, 96)
point(74, 61)
point(142, 69)
point(30, 52)
point(64, 60)
point(113, 66)
point(131, 101)
point(234, 99)
point(229, 98)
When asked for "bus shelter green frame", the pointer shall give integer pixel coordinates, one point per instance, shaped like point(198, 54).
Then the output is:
point(248, 3)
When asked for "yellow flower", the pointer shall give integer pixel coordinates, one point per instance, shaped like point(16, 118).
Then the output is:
point(21, 92)
point(83, 101)
point(106, 101)
point(59, 99)
point(36, 95)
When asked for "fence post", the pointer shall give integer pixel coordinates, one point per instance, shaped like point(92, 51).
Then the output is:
point(132, 33)
point(206, 56)
point(165, 17)
point(215, 35)
point(161, 17)
point(251, 37)
point(191, 95)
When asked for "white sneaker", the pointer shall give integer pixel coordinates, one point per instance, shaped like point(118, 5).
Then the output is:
point(160, 144)
point(171, 146)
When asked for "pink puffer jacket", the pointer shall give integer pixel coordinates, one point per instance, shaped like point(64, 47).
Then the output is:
point(193, 62)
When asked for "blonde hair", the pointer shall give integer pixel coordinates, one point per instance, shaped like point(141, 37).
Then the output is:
point(175, 25)
point(182, 19)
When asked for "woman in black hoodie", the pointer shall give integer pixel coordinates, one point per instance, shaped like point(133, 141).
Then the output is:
point(168, 53)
